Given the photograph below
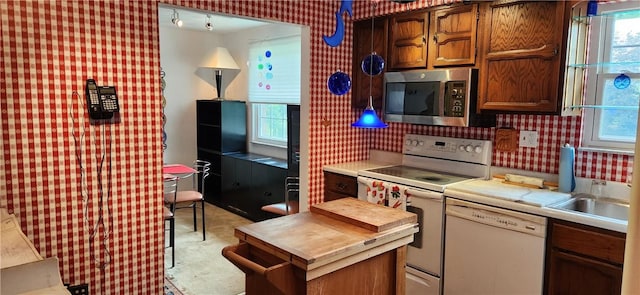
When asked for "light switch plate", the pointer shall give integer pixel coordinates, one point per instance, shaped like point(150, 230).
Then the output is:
point(528, 138)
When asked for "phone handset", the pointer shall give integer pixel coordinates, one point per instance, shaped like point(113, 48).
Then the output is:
point(102, 101)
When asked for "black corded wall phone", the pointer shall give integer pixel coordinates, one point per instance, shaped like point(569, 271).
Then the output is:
point(102, 101)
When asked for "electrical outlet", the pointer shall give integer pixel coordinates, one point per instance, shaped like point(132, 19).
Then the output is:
point(528, 138)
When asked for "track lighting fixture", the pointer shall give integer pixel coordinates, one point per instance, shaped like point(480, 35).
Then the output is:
point(207, 23)
point(175, 19)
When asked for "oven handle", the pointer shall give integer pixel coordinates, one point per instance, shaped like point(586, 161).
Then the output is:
point(425, 194)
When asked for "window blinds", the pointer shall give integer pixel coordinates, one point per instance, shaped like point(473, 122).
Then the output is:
point(274, 70)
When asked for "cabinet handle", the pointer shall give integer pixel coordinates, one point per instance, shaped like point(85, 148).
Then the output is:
point(341, 186)
point(424, 39)
point(267, 194)
point(435, 38)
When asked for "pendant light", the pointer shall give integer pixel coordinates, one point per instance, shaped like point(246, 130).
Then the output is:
point(372, 65)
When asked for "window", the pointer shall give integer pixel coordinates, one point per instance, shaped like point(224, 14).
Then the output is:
point(274, 82)
point(613, 78)
point(270, 123)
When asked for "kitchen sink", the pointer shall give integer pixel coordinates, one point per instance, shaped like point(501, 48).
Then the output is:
point(603, 207)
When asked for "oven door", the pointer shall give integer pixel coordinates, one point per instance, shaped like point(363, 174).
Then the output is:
point(425, 253)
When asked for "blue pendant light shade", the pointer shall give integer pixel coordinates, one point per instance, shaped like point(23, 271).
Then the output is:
point(369, 119)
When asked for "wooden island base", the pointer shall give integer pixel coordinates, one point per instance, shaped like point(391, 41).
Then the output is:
point(344, 246)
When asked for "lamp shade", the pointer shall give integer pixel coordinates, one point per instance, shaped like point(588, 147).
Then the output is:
point(221, 59)
point(369, 119)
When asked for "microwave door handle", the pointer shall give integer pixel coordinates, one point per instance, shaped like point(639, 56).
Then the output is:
point(442, 95)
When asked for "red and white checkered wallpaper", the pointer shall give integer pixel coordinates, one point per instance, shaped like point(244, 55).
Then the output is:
point(553, 132)
point(102, 218)
point(53, 176)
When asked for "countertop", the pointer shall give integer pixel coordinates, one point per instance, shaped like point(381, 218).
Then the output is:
point(352, 168)
point(329, 231)
point(480, 196)
point(522, 205)
point(258, 158)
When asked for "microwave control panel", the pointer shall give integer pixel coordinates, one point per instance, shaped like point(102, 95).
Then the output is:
point(454, 98)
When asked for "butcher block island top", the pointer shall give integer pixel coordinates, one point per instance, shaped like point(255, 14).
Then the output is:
point(340, 236)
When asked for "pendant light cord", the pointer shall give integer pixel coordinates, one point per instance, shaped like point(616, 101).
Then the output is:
point(373, 12)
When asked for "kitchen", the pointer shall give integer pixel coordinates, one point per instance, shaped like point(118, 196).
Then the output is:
point(328, 117)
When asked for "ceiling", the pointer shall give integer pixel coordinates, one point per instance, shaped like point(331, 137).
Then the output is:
point(195, 20)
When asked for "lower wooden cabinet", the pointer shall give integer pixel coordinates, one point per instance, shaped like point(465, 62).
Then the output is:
point(337, 186)
point(583, 259)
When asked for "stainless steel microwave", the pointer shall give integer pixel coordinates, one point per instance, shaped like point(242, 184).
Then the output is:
point(445, 97)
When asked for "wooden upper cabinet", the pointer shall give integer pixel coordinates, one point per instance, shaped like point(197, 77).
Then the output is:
point(407, 40)
point(362, 49)
point(522, 55)
point(452, 36)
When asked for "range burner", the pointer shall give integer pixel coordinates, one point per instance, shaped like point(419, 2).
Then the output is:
point(414, 176)
point(433, 178)
point(432, 162)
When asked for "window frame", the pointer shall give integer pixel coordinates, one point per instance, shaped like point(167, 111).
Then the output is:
point(601, 29)
point(255, 126)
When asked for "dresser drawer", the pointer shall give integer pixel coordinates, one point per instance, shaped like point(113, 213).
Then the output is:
point(342, 184)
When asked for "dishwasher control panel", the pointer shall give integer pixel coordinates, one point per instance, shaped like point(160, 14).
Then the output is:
point(510, 220)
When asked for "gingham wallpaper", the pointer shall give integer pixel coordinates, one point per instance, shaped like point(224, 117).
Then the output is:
point(102, 218)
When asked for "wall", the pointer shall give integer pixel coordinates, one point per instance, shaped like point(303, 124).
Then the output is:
point(182, 53)
point(101, 218)
point(43, 125)
point(106, 228)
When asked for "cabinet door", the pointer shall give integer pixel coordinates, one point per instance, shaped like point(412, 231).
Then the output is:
point(407, 40)
point(573, 274)
point(236, 184)
point(338, 186)
point(362, 49)
point(583, 259)
point(523, 50)
point(268, 188)
point(452, 36)
point(332, 195)
point(233, 128)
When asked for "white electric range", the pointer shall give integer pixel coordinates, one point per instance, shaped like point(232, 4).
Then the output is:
point(429, 165)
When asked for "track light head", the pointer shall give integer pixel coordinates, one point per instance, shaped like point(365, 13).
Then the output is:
point(175, 19)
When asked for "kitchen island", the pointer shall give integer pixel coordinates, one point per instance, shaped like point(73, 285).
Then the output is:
point(346, 246)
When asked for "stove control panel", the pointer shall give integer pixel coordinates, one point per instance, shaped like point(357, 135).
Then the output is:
point(449, 148)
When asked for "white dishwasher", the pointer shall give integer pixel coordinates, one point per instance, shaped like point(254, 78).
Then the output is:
point(490, 250)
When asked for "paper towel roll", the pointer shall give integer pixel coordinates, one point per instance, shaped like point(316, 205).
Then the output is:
point(566, 175)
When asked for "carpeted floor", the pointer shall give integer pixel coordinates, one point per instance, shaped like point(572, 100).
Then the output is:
point(200, 267)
